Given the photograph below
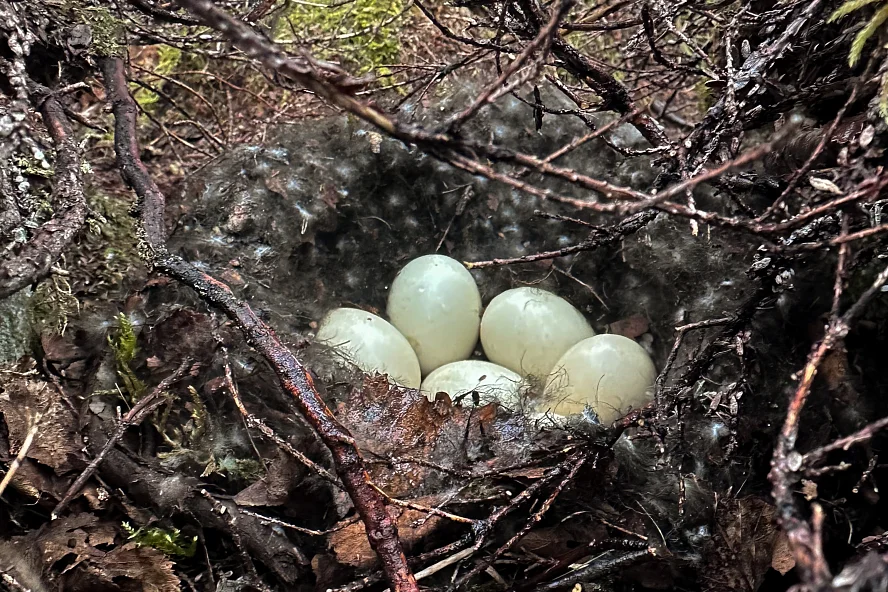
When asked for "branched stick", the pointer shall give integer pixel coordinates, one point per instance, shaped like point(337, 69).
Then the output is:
point(381, 529)
point(136, 415)
point(575, 462)
point(35, 259)
point(864, 434)
point(787, 463)
point(597, 569)
point(599, 237)
point(542, 41)
point(254, 422)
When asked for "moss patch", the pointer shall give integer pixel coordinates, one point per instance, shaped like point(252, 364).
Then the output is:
point(363, 32)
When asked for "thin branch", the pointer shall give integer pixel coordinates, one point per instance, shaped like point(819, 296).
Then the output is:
point(145, 407)
point(295, 379)
point(34, 260)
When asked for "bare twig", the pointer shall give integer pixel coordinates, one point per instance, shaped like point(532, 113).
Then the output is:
point(22, 453)
point(295, 379)
point(34, 261)
point(142, 409)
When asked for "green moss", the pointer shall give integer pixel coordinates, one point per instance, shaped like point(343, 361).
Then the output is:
point(107, 31)
point(867, 32)
point(169, 541)
point(110, 245)
point(168, 59)
point(33, 168)
point(364, 32)
point(123, 344)
point(54, 303)
point(246, 469)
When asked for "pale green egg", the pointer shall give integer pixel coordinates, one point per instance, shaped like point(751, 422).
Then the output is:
point(434, 302)
point(370, 343)
point(528, 329)
point(493, 383)
point(611, 374)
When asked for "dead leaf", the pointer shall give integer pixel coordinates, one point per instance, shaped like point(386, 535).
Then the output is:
point(63, 357)
point(273, 489)
point(75, 535)
point(740, 552)
point(350, 544)
point(181, 334)
point(57, 443)
point(276, 183)
point(781, 558)
point(824, 185)
point(135, 569)
point(631, 327)
point(391, 421)
point(40, 483)
point(809, 489)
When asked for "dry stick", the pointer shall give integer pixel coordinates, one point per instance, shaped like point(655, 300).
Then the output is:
point(841, 240)
point(787, 463)
point(542, 41)
point(424, 509)
point(136, 415)
point(451, 35)
point(34, 260)
point(673, 353)
point(596, 569)
point(577, 142)
point(576, 461)
point(446, 550)
point(23, 451)
point(269, 520)
point(862, 435)
point(332, 84)
point(598, 237)
point(255, 422)
point(381, 529)
point(756, 67)
point(571, 557)
point(614, 94)
point(737, 321)
point(797, 176)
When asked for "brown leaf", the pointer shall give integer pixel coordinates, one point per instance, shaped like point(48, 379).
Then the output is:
point(740, 552)
point(391, 421)
point(74, 535)
point(135, 569)
point(57, 443)
point(273, 489)
point(350, 544)
point(781, 558)
point(631, 327)
point(179, 335)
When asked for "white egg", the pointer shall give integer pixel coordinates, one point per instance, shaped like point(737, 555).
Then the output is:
point(370, 343)
point(492, 383)
point(528, 329)
point(435, 303)
point(610, 373)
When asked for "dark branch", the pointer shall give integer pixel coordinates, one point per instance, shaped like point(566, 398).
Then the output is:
point(381, 529)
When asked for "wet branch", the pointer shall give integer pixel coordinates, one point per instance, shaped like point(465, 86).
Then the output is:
point(145, 407)
point(35, 259)
point(381, 529)
point(787, 463)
